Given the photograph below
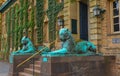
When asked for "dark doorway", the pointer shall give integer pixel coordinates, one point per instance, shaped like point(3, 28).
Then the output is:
point(83, 21)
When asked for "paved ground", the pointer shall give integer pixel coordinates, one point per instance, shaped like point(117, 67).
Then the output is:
point(4, 68)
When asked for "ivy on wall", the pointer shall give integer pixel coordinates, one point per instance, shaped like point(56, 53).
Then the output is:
point(21, 22)
point(13, 25)
point(21, 13)
point(8, 23)
point(26, 5)
point(16, 26)
point(0, 29)
point(17, 20)
point(53, 9)
point(32, 20)
point(39, 20)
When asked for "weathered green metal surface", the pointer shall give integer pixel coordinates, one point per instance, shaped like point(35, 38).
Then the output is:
point(28, 48)
point(69, 47)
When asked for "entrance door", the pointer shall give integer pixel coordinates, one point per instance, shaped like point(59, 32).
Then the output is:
point(83, 21)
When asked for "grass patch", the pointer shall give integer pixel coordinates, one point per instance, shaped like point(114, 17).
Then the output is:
point(1, 59)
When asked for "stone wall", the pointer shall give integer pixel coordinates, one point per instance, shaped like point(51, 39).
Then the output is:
point(70, 65)
point(94, 25)
point(109, 40)
point(73, 66)
point(0, 28)
point(18, 59)
point(102, 35)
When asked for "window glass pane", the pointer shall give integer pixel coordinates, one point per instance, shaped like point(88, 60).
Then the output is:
point(115, 17)
point(116, 28)
point(74, 26)
point(116, 20)
point(115, 12)
point(114, 4)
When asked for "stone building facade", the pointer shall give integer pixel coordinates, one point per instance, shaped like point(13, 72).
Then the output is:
point(78, 15)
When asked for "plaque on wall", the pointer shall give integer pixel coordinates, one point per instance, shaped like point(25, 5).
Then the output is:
point(116, 40)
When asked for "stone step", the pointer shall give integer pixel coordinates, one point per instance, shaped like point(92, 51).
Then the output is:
point(24, 74)
point(37, 62)
point(30, 71)
point(37, 67)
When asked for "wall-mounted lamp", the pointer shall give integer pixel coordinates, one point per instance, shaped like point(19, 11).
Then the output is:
point(97, 11)
point(61, 22)
point(117, 4)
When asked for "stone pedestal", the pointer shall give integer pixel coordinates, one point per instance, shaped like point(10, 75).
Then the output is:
point(14, 70)
point(73, 66)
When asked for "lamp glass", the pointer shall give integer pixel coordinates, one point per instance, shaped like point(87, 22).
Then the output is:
point(117, 4)
point(96, 11)
point(60, 23)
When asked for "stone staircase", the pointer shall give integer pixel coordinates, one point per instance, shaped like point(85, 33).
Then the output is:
point(29, 71)
point(37, 65)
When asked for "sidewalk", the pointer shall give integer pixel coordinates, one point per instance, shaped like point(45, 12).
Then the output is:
point(4, 68)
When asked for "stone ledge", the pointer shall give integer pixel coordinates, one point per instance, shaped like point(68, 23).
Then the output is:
point(73, 66)
point(13, 71)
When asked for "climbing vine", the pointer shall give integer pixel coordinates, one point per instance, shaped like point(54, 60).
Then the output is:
point(19, 16)
point(39, 19)
point(16, 21)
point(32, 20)
point(21, 12)
point(21, 21)
point(8, 24)
point(0, 30)
point(16, 26)
point(26, 5)
point(13, 25)
point(53, 9)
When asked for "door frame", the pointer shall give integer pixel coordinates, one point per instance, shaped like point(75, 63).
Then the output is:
point(78, 18)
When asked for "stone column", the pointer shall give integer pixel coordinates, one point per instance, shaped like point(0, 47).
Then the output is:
point(94, 25)
point(66, 10)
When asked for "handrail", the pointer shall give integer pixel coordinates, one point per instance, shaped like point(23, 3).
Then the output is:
point(30, 57)
point(33, 55)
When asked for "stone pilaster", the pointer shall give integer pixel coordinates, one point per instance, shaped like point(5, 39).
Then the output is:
point(94, 24)
point(67, 13)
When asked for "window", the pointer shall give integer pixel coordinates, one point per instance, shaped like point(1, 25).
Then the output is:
point(74, 26)
point(115, 16)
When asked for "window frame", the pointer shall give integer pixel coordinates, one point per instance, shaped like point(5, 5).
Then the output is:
point(112, 18)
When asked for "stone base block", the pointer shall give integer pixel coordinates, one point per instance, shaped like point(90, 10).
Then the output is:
point(14, 70)
point(73, 66)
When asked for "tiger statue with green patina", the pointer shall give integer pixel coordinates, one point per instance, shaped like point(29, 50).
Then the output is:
point(70, 47)
point(28, 48)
